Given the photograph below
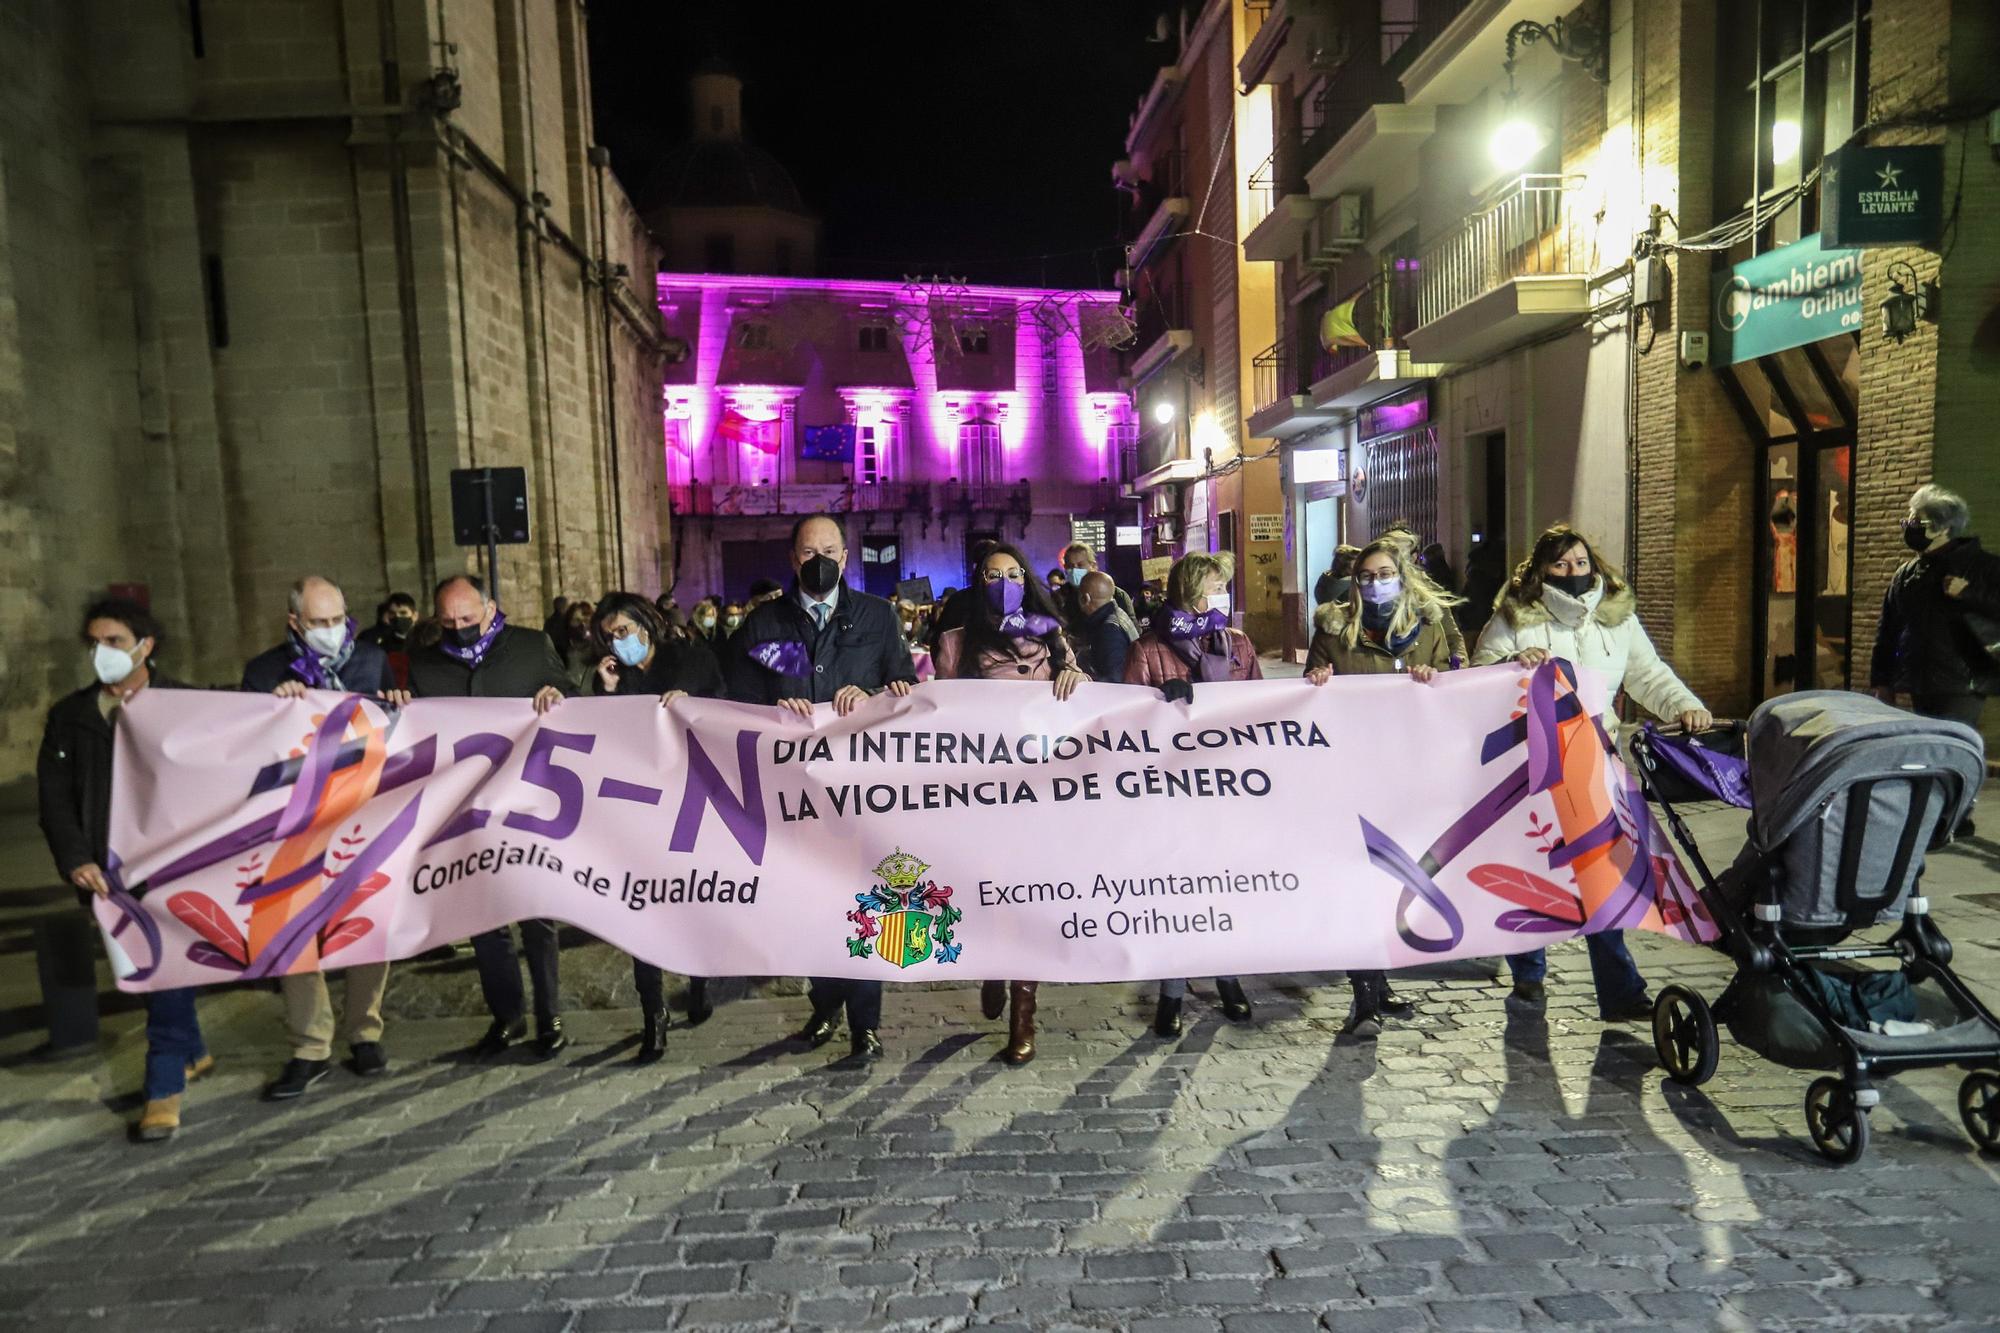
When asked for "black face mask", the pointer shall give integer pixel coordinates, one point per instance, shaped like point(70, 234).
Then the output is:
point(819, 575)
point(465, 635)
point(1914, 535)
point(1576, 585)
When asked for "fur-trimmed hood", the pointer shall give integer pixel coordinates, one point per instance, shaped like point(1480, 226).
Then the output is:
point(1555, 604)
point(1331, 618)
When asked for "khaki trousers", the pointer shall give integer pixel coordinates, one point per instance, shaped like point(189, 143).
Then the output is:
point(309, 1009)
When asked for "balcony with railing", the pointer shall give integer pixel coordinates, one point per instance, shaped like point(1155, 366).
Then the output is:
point(1365, 138)
point(1162, 199)
point(1509, 271)
point(1161, 314)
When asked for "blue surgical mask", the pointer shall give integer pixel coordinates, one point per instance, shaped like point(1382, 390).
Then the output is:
point(1076, 577)
point(631, 650)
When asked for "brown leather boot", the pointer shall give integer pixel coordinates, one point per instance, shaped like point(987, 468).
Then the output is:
point(1021, 1024)
point(160, 1120)
point(992, 998)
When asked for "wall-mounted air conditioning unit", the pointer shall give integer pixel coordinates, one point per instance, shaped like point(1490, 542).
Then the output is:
point(1338, 231)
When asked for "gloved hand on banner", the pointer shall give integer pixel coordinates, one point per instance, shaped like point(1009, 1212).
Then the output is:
point(1178, 691)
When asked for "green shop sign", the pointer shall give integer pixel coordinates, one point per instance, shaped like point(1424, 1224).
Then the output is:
point(1882, 196)
point(1794, 295)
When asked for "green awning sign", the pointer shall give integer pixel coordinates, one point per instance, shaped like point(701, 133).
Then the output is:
point(1790, 296)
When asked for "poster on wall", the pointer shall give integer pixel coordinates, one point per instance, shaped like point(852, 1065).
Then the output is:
point(1267, 527)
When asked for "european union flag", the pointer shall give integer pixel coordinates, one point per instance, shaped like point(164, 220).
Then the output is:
point(830, 444)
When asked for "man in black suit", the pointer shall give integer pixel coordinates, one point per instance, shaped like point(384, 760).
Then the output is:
point(321, 652)
point(479, 655)
point(823, 642)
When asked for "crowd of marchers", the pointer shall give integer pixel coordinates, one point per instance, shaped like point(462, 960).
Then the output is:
point(1391, 606)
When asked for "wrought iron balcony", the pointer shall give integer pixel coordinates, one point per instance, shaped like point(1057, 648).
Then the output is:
point(1525, 233)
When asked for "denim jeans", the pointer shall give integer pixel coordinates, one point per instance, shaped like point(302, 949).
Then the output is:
point(1611, 968)
point(500, 974)
point(862, 1000)
point(173, 1041)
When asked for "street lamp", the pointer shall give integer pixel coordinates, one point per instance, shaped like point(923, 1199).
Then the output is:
point(1516, 140)
point(1163, 412)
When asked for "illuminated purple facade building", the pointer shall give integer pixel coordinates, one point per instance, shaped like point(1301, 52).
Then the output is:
point(929, 416)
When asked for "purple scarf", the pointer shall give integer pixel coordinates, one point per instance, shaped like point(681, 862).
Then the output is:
point(475, 654)
point(1186, 633)
point(1027, 624)
point(308, 666)
point(787, 657)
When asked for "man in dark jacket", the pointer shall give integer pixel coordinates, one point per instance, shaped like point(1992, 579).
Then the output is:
point(1079, 562)
point(395, 621)
point(73, 774)
point(1107, 629)
point(823, 643)
point(321, 652)
point(1925, 645)
point(481, 656)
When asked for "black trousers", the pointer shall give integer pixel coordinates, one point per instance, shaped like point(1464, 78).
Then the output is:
point(862, 998)
point(500, 975)
point(1951, 707)
point(652, 987)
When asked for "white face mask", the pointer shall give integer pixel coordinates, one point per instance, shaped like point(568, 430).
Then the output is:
point(1219, 601)
point(327, 640)
point(111, 664)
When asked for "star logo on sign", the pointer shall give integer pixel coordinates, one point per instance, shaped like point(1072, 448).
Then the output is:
point(1889, 174)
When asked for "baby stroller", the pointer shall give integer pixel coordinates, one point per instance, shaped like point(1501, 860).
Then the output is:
point(1846, 795)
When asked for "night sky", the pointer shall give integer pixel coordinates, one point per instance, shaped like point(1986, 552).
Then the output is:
point(932, 136)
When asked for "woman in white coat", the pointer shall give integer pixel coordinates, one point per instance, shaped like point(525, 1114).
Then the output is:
point(1565, 602)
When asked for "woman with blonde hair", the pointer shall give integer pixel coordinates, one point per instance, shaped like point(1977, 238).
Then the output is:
point(1564, 601)
point(1189, 641)
point(1393, 620)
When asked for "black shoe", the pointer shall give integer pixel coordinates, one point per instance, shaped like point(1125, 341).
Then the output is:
point(503, 1033)
point(1528, 992)
point(699, 1009)
point(1364, 1014)
point(549, 1038)
point(1235, 1004)
point(1167, 1017)
point(298, 1076)
point(867, 1049)
point(1638, 1009)
point(992, 998)
point(1393, 1005)
point(819, 1030)
point(652, 1041)
point(367, 1060)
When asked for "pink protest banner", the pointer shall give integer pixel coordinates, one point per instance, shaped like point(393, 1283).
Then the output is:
point(973, 830)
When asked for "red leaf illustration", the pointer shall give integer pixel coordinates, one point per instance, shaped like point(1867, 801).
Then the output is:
point(201, 915)
point(206, 954)
point(371, 886)
point(1526, 889)
point(344, 934)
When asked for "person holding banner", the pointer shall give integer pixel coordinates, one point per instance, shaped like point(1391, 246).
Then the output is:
point(1565, 602)
point(1015, 635)
point(825, 643)
point(73, 778)
point(1189, 641)
point(479, 655)
point(321, 652)
point(1393, 619)
point(643, 660)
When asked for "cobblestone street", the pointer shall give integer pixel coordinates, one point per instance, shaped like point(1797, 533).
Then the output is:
point(1482, 1166)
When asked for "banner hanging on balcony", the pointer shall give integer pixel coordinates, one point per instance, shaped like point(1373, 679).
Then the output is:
point(974, 830)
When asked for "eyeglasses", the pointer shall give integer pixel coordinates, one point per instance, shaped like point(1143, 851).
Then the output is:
point(1015, 575)
point(622, 632)
point(1377, 578)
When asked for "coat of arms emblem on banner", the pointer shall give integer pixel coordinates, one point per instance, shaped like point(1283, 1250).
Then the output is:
point(905, 919)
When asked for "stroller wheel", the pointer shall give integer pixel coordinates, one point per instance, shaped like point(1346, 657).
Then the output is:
point(1979, 1108)
point(1838, 1127)
point(1684, 1036)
